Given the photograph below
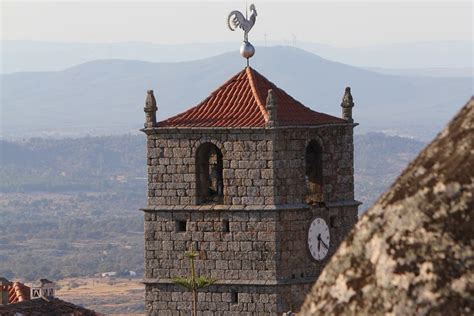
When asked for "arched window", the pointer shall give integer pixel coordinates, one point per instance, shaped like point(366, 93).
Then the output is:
point(209, 186)
point(314, 172)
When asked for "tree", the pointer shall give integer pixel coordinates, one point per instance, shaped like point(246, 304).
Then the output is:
point(193, 283)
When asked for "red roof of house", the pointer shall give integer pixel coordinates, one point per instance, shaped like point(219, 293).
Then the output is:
point(42, 306)
point(20, 303)
point(17, 292)
point(240, 102)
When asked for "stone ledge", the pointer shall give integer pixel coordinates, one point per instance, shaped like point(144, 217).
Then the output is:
point(343, 203)
point(222, 207)
point(168, 208)
point(241, 282)
point(171, 130)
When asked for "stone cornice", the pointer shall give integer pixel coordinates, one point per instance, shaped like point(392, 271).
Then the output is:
point(242, 282)
point(219, 207)
point(343, 203)
point(170, 130)
point(165, 208)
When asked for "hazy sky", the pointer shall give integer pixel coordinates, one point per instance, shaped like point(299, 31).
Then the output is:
point(348, 23)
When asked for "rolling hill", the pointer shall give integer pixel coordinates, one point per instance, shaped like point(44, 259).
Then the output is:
point(21, 55)
point(107, 96)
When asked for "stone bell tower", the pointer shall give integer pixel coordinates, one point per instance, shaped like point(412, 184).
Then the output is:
point(260, 185)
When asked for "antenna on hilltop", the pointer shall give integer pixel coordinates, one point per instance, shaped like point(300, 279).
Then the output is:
point(237, 20)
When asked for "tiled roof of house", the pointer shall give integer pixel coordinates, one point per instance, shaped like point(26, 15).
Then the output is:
point(41, 306)
point(20, 303)
point(17, 292)
point(240, 102)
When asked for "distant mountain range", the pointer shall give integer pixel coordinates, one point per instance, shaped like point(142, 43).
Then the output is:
point(426, 72)
point(107, 96)
point(422, 57)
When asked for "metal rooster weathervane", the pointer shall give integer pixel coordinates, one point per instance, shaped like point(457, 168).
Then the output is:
point(237, 20)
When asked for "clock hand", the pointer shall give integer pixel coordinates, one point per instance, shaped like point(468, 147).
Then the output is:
point(319, 242)
point(324, 244)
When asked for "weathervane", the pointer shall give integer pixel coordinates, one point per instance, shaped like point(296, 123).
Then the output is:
point(237, 20)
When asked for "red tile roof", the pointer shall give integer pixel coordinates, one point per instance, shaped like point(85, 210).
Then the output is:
point(41, 306)
point(19, 303)
point(240, 102)
point(17, 292)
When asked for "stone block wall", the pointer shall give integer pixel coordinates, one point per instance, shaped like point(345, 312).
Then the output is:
point(244, 253)
point(338, 160)
point(295, 262)
point(260, 166)
point(168, 299)
point(247, 165)
point(255, 242)
point(261, 247)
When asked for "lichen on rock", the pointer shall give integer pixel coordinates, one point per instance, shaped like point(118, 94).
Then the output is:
point(412, 252)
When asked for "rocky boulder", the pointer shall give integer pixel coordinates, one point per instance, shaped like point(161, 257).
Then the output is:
point(412, 252)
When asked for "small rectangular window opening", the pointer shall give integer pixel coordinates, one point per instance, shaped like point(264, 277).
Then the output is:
point(332, 221)
point(225, 226)
point(180, 226)
point(234, 296)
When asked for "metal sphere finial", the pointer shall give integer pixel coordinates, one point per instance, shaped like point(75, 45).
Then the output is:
point(237, 20)
point(247, 50)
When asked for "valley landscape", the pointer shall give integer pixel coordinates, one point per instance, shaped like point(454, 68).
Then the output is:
point(73, 164)
point(253, 196)
point(72, 206)
point(116, 296)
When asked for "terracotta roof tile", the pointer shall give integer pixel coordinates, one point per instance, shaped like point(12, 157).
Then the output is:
point(43, 307)
point(17, 292)
point(19, 303)
point(240, 102)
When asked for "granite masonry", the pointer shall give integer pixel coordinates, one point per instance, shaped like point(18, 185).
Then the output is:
point(239, 178)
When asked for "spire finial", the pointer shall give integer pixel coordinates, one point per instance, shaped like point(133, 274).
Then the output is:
point(237, 20)
point(150, 109)
point(347, 105)
point(271, 106)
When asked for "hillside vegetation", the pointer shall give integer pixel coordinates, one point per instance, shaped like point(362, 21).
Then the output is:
point(70, 207)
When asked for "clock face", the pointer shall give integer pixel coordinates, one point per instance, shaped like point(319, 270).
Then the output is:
point(318, 239)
